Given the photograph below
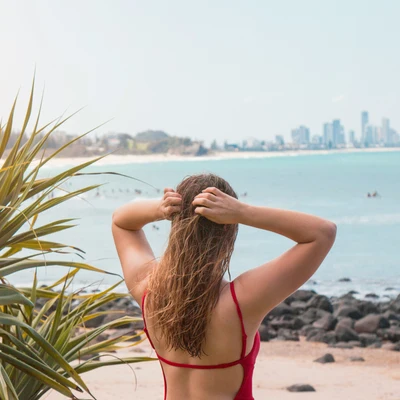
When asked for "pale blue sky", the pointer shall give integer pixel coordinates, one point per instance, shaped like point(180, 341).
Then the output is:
point(220, 69)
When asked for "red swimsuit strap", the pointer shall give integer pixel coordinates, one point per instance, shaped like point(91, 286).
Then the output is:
point(225, 365)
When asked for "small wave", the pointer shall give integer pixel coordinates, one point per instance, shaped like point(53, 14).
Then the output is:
point(378, 219)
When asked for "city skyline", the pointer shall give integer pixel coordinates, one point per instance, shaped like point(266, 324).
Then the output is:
point(334, 134)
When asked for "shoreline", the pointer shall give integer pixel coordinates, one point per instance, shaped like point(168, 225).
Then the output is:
point(217, 156)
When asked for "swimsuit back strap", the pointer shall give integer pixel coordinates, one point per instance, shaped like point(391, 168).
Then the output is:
point(244, 336)
point(144, 320)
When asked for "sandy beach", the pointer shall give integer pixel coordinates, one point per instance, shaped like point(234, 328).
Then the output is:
point(139, 159)
point(279, 365)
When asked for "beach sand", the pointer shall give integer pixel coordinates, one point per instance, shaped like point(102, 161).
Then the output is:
point(113, 159)
point(279, 365)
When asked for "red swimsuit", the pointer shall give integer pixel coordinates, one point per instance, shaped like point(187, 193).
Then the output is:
point(247, 361)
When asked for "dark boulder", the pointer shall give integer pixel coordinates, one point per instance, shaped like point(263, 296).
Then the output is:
point(327, 322)
point(319, 335)
point(281, 309)
point(298, 305)
point(371, 323)
point(300, 295)
point(301, 387)
point(288, 334)
point(355, 358)
point(264, 333)
point(345, 334)
point(346, 321)
point(348, 311)
point(368, 338)
point(326, 358)
point(320, 302)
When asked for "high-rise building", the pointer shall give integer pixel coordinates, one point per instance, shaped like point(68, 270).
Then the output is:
point(301, 135)
point(328, 135)
point(279, 140)
point(370, 135)
point(364, 123)
point(337, 131)
point(352, 137)
point(386, 131)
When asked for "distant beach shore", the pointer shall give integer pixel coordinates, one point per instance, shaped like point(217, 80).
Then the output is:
point(154, 158)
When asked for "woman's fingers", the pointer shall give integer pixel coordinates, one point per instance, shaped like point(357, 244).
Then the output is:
point(213, 190)
point(208, 196)
point(171, 194)
point(173, 201)
point(204, 211)
point(168, 190)
point(201, 201)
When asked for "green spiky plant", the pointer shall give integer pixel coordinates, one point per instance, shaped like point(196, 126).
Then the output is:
point(42, 349)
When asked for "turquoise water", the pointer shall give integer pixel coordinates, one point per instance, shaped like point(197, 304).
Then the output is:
point(333, 186)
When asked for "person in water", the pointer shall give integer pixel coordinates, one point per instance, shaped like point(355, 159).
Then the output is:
point(204, 328)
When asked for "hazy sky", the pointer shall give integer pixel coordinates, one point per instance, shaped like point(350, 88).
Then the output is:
point(221, 69)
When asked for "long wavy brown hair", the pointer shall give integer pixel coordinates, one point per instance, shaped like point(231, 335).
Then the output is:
point(185, 286)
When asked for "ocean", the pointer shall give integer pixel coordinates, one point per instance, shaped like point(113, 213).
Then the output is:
point(332, 186)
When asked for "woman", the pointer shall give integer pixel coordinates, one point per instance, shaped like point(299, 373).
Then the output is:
point(203, 328)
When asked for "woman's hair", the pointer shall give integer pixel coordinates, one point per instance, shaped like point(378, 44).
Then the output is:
point(185, 286)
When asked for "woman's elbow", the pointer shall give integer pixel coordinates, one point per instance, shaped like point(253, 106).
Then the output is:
point(329, 231)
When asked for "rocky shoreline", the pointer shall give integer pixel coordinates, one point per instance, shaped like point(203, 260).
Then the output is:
point(342, 322)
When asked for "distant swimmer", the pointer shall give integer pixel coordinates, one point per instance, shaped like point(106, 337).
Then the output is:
point(244, 194)
point(376, 194)
point(369, 194)
point(155, 227)
point(137, 191)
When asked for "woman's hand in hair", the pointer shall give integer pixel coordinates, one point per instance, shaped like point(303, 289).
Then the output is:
point(218, 207)
point(170, 203)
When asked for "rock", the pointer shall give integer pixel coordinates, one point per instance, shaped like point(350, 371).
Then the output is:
point(369, 338)
point(288, 334)
point(372, 295)
point(300, 295)
point(310, 315)
point(286, 321)
point(320, 302)
point(281, 309)
point(305, 329)
point(346, 321)
point(126, 332)
point(301, 387)
point(326, 358)
point(391, 346)
point(390, 288)
point(391, 316)
point(348, 311)
point(371, 323)
point(342, 345)
point(355, 343)
point(95, 322)
point(367, 307)
point(264, 335)
point(327, 322)
point(351, 292)
point(375, 345)
point(298, 305)
point(344, 280)
point(355, 358)
point(319, 335)
point(392, 333)
point(345, 334)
